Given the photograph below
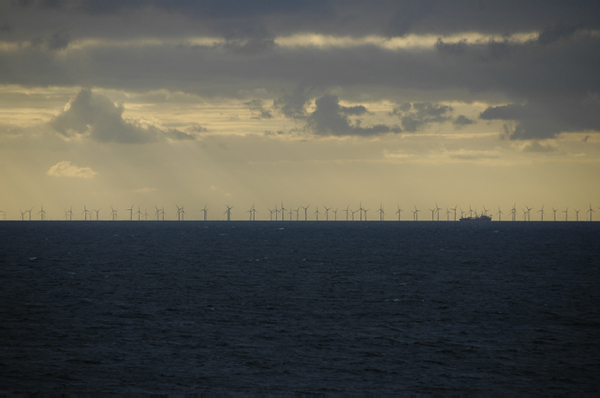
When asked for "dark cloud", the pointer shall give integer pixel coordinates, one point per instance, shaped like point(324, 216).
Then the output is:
point(542, 118)
point(97, 117)
point(415, 116)
point(58, 41)
point(461, 121)
point(293, 105)
point(257, 108)
point(330, 118)
point(555, 33)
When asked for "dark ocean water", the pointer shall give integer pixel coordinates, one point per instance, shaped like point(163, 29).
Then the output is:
point(299, 307)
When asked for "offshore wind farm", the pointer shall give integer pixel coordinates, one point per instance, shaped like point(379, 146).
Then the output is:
point(292, 213)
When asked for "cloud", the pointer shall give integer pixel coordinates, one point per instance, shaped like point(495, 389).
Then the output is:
point(293, 105)
point(67, 169)
point(542, 118)
point(461, 121)
point(95, 116)
point(330, 118)
point(415, 116)
point(258, 110)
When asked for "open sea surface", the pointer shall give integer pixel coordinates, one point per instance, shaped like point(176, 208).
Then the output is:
point(299, 307)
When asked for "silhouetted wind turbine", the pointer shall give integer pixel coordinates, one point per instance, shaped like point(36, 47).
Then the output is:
point(305, 212)
point(347, 211)
point(353, 212)
point(360, 209)
point(513, 212)
point(438, 211)
point(97, 214)
point(276, 213)
point(577, 214)
point(399, 212)
point(85, 213)
point(179, 209)
point(298, 213)
point(139, 214)
point(366, 210)
point(554, 211)
point(327, 212)
point(250, 211)
point(381, 212)
point(205, 210)
point(447, 214)
point(145, 215)
point(499, 214)
point(70, 213)
point(113, 213)
point(454, 208)
point(23, 214)
point(42, 213)
point(416, 214)
point(432, 213)
point(157, 213)
point(317, 212)
point(566, 213)
point(541, 211)
point(283, 209)
point(228, 212)
point(528, 212)
point(335, 214)
point(590, 211)
point(130, 213)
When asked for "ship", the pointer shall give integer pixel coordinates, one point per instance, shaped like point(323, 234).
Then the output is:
point(482, 217)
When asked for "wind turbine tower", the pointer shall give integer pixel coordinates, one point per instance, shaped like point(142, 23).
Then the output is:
point(327, 212)
point(305, 212)
point(590, 211)
point(381, 212)
point(228, 212)
point(42, 213)
point(399, 212)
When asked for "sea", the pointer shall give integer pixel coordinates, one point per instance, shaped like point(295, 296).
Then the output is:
point(296, 307)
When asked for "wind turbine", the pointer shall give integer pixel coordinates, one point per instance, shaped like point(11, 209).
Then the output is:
point(590, 211)
point(113, 213)
point(179, 210)
point(130, 213)
point(271, 214)
point(499, 214)
point(416, 214)
point(228, 212)
point(157, 213)
point(139, 214)
point(353, 212)
point(23, 214)
point(381, 212)
point(577, 214)
point(250, 211)
point(335, 214)
point(276, 213)
point(305, 212)
point(97, 212)
point(432, 213)
point(182, 214)
point(566, 213)
point(399, 212)
point(438, 211)
point(70, 213)
point(541, 211)
point(85, 212)
point(513, 212)
point(360, 208)
point(554, 210)
point(528, 212)
point(317, 212)
point(447, 214)
point(254, 213)
point(42, 213)
point(327, 212)
point(205, 210)
point(283, 209)
point(454, 208)
point(298, 213)
point(347, 210)
point(145, 215)
point(366, 210)
point(162, 212)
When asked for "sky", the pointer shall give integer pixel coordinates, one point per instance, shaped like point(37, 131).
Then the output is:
point(338, 104)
